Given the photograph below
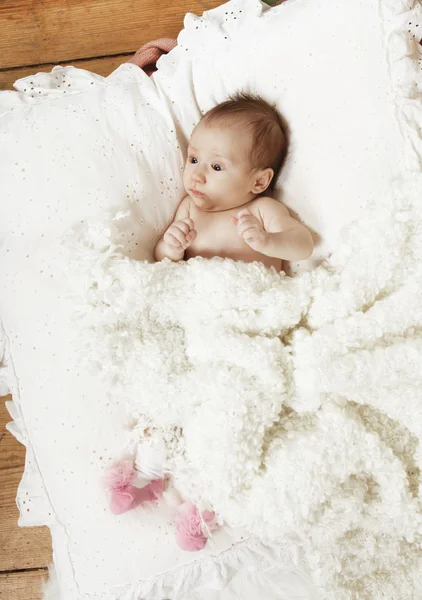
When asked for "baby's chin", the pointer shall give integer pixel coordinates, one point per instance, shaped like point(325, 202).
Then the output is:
point(204, 203)
point(208, 204)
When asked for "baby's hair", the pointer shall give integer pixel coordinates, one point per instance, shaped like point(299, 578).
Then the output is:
point(269, 132)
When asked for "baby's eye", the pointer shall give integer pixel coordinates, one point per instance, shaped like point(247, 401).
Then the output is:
point(216, 167)
point(193, 160)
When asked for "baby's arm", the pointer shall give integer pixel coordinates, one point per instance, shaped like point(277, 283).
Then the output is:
point(268, 228)
point(178, 236)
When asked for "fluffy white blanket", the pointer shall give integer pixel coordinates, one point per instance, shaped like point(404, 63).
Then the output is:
point(292, 406)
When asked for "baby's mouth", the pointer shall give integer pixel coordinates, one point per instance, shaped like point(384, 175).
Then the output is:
point(197, 193)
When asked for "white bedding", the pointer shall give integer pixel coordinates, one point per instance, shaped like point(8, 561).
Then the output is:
point(346, 75)
point(299, 425)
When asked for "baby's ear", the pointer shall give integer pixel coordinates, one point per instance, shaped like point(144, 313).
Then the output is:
point(262, 180)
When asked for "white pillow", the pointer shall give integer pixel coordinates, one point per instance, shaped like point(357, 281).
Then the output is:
point(109, 144)
point(325, 65)
point(97, 145)
point(74, 145)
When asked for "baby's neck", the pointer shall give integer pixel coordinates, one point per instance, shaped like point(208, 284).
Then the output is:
point(222, 209)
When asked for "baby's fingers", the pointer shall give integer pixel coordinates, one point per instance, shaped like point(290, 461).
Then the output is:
point(244, 226)
point(182, 225)
point(249, 219)
point(243, 213)
point(188, 222)
point(177, 234)
point(190, 237)
point(170, 240)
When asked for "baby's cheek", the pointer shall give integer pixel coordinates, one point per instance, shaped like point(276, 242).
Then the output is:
point(185, 176)
point(224, 179)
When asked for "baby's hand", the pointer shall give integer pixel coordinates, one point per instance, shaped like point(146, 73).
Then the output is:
point(250, 229)
point(180, 234)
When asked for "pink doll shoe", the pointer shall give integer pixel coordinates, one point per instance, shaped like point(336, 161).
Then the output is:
point(123, 495)
point(193, 528)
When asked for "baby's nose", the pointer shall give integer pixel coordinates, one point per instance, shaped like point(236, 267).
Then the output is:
point(198, 176)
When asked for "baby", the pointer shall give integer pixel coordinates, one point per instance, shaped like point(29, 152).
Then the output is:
point(235, 153)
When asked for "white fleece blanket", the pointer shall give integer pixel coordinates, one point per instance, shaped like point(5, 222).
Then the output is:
point(292, 406)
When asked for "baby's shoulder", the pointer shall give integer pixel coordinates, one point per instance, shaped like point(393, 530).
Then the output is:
point(266, 204)
point(184, 208)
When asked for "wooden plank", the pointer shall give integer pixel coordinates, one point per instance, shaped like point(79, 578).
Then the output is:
point(12, 453)
point(102, 66)
point(47, 31)
point(20, 547)
point(22, 586)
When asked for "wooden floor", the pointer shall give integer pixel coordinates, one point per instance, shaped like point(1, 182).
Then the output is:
point(97, 35)
point(24, 552)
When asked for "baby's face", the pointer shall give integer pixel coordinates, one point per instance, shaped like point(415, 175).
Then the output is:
point(217, 173)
